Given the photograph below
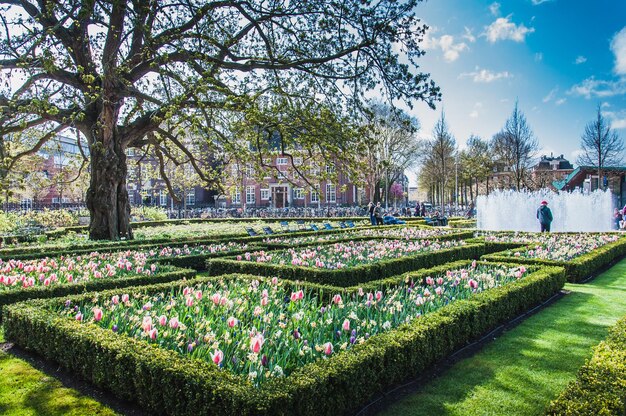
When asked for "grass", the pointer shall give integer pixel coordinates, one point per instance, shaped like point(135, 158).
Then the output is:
point(528, 366)
point(26, 391)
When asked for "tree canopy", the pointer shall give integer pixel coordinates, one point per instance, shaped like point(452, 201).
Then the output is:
point(122, 71)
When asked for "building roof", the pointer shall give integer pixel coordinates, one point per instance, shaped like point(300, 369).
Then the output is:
point(583, 170)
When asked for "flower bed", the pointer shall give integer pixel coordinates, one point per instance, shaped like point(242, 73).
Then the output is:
point(600, 386)
point(189, 382)
point(347, 263)
point(581, 254)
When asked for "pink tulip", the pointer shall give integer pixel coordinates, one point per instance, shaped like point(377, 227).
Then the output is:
point(264, 301)
point(174, 323)
point(46, 282)
point(274, 281)
point(79, 316)
point(216, 298)
point(294, 297)
point(146, 324)
point(328, 348)
point(153, 333)
point(256, 343)
point(187, 291)
point(217, 357)
point(97, 314)
point(199, 295)
point(189, 301)
point(346, 325)
point(125, 298)
point(115, 299)
point(232, 321)
point(337, 299)
point(162, 320)
point(378, 295)
point(473, 283)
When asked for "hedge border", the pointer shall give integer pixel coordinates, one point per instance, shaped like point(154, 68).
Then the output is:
point(600, 385)
point(169, 274)
point(165, 383)
point(346, 277)
point(577, 269)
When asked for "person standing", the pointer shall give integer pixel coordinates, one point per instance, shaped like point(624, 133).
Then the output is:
point(370, 209)
point(378, 213)
point(544, 215)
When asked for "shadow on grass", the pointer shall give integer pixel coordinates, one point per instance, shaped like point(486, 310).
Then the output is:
point(31, 385)
point(528, 365)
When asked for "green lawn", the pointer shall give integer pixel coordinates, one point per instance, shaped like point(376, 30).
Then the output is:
point(27, 391)
point(519, 373)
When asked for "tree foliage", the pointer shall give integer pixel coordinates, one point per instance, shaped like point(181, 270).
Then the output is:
point(438, 163)
point(601, 146)
point(122, 71)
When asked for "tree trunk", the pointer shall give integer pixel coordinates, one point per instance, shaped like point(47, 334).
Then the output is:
point(107, 197)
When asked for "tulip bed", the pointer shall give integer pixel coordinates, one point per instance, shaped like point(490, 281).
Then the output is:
point(347, 263)
point(581, 254)
point(252, 345)
point(600, 387)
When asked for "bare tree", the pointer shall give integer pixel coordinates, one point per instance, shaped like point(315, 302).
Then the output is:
point(392, 146)
point(516, 146)
point(439, 157)
point(122, 71)
point(601, 146)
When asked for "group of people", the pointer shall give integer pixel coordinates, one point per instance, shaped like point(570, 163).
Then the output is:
point(377, 217)
point(619, 218)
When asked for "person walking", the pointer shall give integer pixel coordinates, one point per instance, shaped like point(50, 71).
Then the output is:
point(544, 215)
point(370, 209)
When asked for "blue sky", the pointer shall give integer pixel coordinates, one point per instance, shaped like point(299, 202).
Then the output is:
point(559, 58)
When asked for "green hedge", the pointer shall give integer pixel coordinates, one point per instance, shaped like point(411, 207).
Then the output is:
point(165, 274)
point(163, 382)
point(349, 276)
point(600, 386)
point(577, 269)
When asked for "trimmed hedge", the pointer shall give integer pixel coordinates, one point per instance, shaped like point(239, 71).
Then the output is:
point(349, 276)
point(600, 386)
point(163, 382)
point(166, 274)
point(577, 269)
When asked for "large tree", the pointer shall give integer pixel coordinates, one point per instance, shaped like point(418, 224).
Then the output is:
point(121, 71)
point(516, 146)
point(476, 162)
point(601, 146)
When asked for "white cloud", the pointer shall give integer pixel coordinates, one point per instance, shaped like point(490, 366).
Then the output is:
point(504, 29)
point(618, 47)
point(580, 60)
point(494, 8)
point(592, 87)
point(469, 36)
point(560, 101)
point(538, 2)
point(485, 75)
point(617, 118)
point(475, 113)
point(451, 50)
point(550, 95)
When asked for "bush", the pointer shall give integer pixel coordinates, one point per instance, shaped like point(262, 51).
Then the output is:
point(349, 276)
point(577, 269)
point(600, 386)
point(165, 383)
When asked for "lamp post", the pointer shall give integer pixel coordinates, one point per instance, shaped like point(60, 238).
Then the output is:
point(456, 182)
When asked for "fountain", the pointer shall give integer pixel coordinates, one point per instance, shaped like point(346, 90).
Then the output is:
point(572, 211)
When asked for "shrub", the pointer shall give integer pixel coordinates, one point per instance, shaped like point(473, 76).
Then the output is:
point(600, 386)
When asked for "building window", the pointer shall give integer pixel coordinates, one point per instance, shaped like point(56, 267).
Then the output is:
point(331, 193)
point(236, 196)
point(191, 198)
point(234, 169)
point(330, 169)
point(298, 193)
point(281, 161)
point(315, 194)
point(249, 170)
point(131, 198)
point(265, 194)
point(162, 198)
point(297, 161)
point(250, 199)
point(315, 170)
point(130, 151)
